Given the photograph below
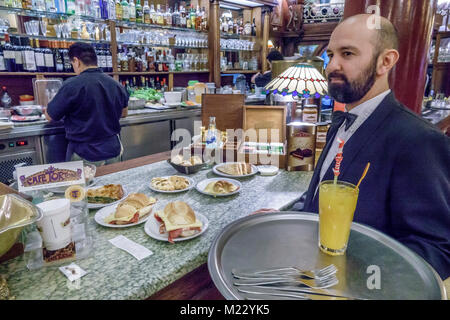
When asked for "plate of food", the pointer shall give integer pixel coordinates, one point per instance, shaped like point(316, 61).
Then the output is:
point(235, 169)
point(176, 222)
point(171, 184)
point(190, 104)
point(219, 187)
point(105, 195)
point(134, 210)
point(189, 165)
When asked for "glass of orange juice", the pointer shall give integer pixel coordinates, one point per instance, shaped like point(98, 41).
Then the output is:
point(337, 203)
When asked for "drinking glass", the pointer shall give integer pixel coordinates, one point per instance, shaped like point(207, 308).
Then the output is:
point(43, 24)
point(337, 203)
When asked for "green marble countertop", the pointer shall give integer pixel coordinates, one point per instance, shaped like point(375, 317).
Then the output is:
point(115, 274)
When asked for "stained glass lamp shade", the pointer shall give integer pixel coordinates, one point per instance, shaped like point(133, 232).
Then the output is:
point(302, 80)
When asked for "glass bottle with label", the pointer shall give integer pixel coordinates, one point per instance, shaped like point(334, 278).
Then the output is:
point(139, 12)
point(6, 100)
point(125, 12)
point(9, 55)
point(211, 139)
point(29, 62)
point(40, 57)
point(152, 14)
point(2, 58)
point(111, 9)
point(146, 12)
point(132, 11)
point(19, 54)
point(48, 58)
point(118, 10)
point(182, 17)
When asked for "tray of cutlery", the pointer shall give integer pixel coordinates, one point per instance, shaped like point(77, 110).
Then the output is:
point(276, 256)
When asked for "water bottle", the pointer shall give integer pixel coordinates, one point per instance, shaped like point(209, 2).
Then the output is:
point(211, 139)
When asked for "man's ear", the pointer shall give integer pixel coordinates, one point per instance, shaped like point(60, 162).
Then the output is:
point(387, 60)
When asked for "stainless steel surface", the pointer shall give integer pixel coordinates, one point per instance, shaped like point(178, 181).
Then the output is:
point(54, 147)
point(188, 124)
point(270, 240)
point(145, 139)
point(319, 283)
point(31, 154)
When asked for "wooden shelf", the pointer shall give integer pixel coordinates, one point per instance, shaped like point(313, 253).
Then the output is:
point(155, 73)
point(240, 71)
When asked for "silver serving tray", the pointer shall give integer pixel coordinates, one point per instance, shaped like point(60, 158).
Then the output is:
point(291, 239)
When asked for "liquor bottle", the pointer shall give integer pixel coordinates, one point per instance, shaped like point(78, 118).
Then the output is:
point(39, 5)
point(125, 12)
point(253, 28)
point(65, 56)
point(182, 17)
point(2, 58)
point(40, 57)
point(49, 59)
point(188, 19)
point(70, 6)
point(204, 20)
point(27, 4)
point(118, 10)
point(198, 19)
point(50, 6)
point(169, 17)
point(95, 9)
point(109, 61)
point(111, 9)
point(6, 100)
point(230, 26)
point(225, 25)
point(132, 11)
point(193, 17)
point(9, 55)
point(139, 12)
point(159, 15)
point(235, 27)
point(146, 12)
point(18, 52)
point(29, 63)
point(175, 17)
point(152, 14)
point(59, 62)
point(241, 27)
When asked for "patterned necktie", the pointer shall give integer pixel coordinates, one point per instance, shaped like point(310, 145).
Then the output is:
point(339, 117)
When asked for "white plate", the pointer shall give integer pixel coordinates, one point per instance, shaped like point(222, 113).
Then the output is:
point(101, 205)
point(106, 211)
point(191, 185)
point(223, 174)
point(202, 185)
point(152, 229)
point(173, 104)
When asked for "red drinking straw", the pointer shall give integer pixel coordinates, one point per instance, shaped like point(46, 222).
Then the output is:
point(338, 158)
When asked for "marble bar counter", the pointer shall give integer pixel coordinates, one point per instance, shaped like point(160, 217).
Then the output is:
point(115, 274)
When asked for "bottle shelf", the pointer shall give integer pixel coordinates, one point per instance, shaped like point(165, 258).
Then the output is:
point(56, 38)
point(239, 71)
point(158, 45)
point(236, 36)
point(129, 24)
point(237, 50)
point(47, 14)
point(21, 74)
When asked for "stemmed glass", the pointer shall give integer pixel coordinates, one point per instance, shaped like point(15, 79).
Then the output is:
point(90, 27)
point(43, 24)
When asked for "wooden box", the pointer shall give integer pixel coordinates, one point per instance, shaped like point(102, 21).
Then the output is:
point(227, 108)
point(269, 124)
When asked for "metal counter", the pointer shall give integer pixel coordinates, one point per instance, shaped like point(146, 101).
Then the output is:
point(144, 132)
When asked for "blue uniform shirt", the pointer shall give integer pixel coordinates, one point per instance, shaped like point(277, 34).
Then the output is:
point(91, 105)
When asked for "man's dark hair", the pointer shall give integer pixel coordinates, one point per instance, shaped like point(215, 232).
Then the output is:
point(274, 55)
point(83, 51)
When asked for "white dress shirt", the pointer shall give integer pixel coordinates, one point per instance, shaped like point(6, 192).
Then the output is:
point(362, 111)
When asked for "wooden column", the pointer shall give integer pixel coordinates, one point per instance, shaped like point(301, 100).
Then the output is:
point(112, 29)
point(414, 22)
point(265, 39)
point(214, 43)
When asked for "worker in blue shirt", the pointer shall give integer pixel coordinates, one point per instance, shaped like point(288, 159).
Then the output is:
point(91, 105)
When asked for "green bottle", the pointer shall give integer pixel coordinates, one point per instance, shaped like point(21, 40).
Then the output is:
point(125, 12)
point(139, 12)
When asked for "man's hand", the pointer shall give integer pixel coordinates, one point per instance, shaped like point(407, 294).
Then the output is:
point(46, 114)
point(124, 112)
point(254, 77)
point(265, 210)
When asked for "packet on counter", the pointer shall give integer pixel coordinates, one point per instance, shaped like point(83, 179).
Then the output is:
point(136, 250)
point(72, 271)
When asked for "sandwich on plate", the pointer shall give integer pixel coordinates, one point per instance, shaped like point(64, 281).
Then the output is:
point(236, 169)
point(220, 187)
point(106, 194)
point(179, 220)
point(135, 207)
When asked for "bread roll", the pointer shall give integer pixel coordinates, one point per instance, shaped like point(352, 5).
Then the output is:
point(179, 213)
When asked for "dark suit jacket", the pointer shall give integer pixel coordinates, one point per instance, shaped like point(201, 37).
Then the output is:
point(406, 193)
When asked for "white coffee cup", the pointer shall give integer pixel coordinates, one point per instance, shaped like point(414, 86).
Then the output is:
point(55, 224)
